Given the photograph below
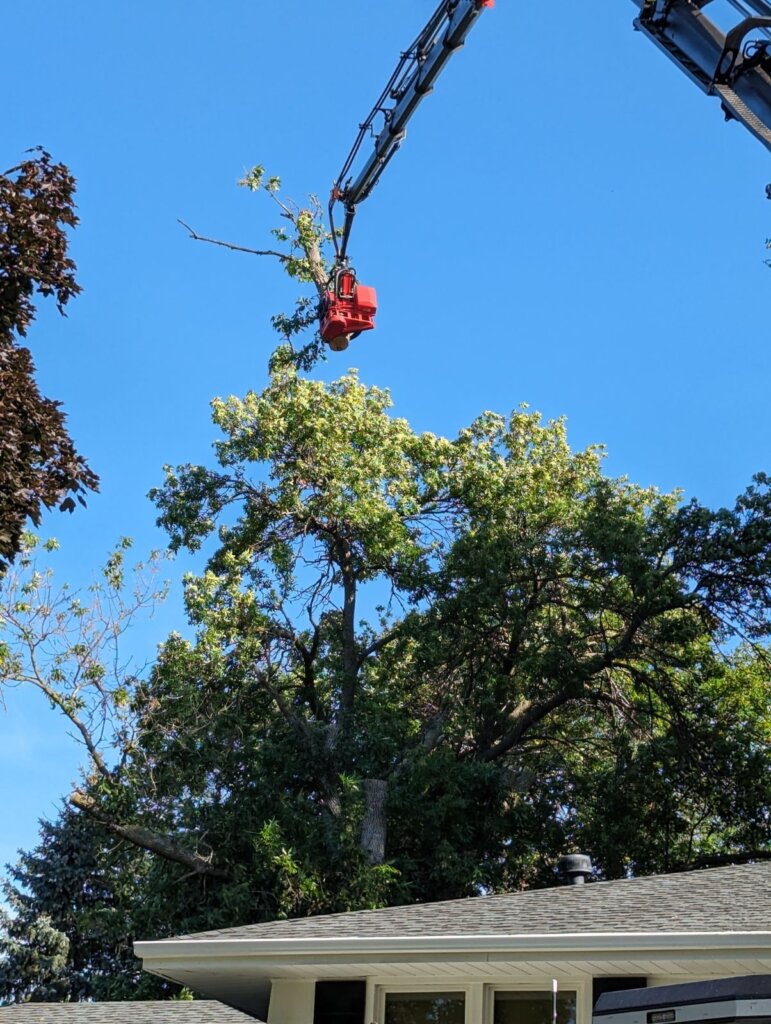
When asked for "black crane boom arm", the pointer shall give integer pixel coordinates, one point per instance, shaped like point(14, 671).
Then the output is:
point(734, 65)
point(414, 78)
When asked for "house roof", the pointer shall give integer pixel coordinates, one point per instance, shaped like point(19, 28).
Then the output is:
point(713, 922)
point(171, 1012)
point(716, 900)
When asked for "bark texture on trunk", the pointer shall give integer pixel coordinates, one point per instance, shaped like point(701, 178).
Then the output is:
point(373, 827)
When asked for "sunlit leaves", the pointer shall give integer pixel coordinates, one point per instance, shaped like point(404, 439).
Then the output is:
point(253, 178)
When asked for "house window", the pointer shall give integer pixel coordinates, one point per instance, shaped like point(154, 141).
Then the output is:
point(339, 1002)
point(425, 1008)
point(533, 1008)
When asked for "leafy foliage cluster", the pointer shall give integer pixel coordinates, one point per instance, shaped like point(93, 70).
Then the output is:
point(418, 667)
point(39, 466)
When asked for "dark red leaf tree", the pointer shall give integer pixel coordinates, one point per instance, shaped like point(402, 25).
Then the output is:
point(39, 465)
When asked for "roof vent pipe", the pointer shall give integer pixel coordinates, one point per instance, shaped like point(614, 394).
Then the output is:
point(576, 868)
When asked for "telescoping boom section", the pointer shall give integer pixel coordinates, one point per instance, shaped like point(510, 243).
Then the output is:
point(349, 308)
point(732, 63)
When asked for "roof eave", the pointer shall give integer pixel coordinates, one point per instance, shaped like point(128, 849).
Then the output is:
point(580, 943)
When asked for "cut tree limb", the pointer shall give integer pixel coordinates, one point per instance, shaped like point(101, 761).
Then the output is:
point(147, 839)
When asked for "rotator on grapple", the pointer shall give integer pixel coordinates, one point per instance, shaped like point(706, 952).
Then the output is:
point(349, 307)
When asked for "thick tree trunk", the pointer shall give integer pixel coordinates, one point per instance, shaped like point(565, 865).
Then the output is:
point(373, 827)
point(350, 652)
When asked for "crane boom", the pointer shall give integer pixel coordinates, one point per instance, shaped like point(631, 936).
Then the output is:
point(735, 65)
point(414, 78)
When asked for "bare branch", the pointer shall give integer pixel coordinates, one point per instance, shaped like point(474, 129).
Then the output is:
point(230, 245)
point(67, 709)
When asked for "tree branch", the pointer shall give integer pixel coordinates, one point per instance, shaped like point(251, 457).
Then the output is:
point(373, 825)
point(61, 702)
point(309, 675)
point(146, 839)
point(377, 645)
point(230, 245)
point(526, 715)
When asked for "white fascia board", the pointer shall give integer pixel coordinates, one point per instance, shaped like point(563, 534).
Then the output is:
point(580, 943)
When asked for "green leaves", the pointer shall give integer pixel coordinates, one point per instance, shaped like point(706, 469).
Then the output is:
point(254, 180)
point(418, 667)
point(475, 612)
point(421, 667)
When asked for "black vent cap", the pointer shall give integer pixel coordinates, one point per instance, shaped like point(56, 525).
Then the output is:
point(576, 868)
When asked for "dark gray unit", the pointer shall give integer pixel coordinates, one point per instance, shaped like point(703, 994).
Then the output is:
point(724, 1000)
point(605, 983)
point(576, 868)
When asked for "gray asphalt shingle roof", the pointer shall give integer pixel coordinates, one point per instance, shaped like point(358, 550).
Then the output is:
point(726, 899)
point(171, 1012)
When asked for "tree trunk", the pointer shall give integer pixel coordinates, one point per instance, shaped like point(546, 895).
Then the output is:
point(373, 827)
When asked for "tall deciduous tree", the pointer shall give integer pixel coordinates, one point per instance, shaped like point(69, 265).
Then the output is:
point(39, 465)
point(420, 667)
point(404, 603)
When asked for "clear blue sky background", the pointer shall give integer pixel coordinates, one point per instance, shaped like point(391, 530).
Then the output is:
point(569, 224)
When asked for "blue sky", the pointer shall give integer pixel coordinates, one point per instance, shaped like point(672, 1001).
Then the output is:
point(569, 224)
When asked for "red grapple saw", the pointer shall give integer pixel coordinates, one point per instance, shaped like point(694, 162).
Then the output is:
point(348, 309)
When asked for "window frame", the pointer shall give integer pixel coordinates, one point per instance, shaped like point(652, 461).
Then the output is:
point(440, 985)
point(490, 989)
point(479, 995)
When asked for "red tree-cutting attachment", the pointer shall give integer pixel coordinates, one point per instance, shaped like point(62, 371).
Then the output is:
point(349, 309)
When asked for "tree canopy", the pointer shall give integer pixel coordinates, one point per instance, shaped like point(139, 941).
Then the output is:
point(416, 668)
point(39, 465)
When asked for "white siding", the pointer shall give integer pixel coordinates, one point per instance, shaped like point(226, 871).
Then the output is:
point(291, 1002)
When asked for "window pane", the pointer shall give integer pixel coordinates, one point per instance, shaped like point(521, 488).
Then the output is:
point(339, 1002)
point(534, 1008)
point(425, 1008)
